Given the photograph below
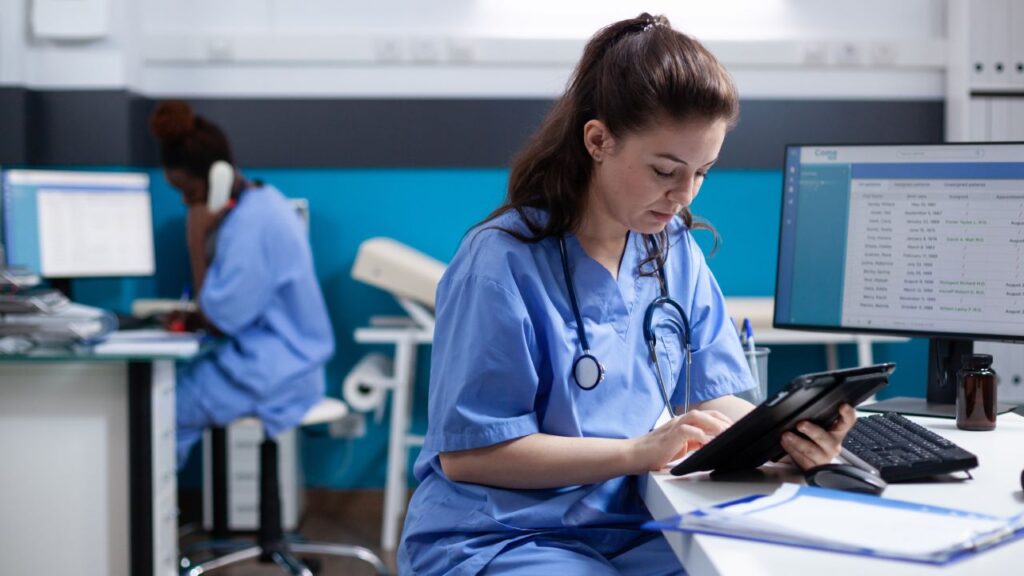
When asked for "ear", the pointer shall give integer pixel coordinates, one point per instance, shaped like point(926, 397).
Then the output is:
point(597, 139)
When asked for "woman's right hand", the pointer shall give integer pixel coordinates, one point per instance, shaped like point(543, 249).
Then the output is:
point(673, 439)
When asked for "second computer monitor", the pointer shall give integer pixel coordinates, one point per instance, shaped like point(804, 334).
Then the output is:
point(66, 224)
point(916, 240)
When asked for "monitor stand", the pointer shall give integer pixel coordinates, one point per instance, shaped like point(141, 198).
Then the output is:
point(944, 360)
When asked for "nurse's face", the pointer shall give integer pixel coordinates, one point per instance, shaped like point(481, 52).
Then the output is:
point(640, 181)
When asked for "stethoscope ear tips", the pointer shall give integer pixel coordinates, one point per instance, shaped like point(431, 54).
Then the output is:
point(587, 371)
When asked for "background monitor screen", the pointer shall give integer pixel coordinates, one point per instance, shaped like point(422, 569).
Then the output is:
point(64, 224)
point(920, 240)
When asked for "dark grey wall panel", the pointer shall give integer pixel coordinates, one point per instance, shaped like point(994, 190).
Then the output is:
point(110, 127)
point(13, 129)
point(79, 127)
point(376, 133)
point(766, 126)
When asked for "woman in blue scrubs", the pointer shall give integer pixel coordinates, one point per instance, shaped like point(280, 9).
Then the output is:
point(530, 462)
point(257, 289)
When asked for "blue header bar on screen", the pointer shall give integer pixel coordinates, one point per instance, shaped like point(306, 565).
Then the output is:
point(937, 170)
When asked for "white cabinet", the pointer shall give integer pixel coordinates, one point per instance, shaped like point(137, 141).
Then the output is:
point(243, 466)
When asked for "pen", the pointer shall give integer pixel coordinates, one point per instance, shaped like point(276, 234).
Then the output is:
point(748, 331)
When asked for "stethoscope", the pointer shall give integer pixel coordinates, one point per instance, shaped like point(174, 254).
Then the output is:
point(588, 371)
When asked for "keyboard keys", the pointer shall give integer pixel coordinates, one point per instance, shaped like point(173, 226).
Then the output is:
point(903, 450)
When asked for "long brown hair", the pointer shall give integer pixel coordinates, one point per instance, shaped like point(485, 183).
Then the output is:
point(632, 73)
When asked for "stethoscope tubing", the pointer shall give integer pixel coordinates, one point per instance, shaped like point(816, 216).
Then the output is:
point(580, 332)
point(664, 300)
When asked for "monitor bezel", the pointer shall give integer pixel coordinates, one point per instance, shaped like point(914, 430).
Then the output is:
point(934, 334)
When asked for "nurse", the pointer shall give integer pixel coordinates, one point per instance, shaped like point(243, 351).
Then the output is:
point(530, 461)
point(257, 289)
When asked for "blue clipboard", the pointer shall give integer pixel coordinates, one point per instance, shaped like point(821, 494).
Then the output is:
point(856, 524)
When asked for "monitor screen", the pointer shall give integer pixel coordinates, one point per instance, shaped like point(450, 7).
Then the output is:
point(919, 240)
point(64, 224)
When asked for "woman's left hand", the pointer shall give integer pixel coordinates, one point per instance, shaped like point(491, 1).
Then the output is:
point(821, 446)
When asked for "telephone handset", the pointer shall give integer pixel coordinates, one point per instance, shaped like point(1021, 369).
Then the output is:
point(220, 182)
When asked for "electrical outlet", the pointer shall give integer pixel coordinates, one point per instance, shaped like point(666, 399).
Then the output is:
point(220, 49)
point(815, 53)
point(387, 50)
point(425, 50)
point(883, 54)
point(848, 54)
point(461, 50)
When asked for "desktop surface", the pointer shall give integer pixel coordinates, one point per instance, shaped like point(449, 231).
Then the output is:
point(122, 346)
point(994, 489)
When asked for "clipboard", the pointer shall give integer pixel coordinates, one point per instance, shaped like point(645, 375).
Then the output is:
point(755, 438)
point(858, 524)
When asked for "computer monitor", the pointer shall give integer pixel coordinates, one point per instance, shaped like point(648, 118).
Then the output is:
point(69, 224)
point(912, 240)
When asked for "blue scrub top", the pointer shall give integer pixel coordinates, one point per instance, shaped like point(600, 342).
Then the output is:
point(262, 292)
point(504, 345)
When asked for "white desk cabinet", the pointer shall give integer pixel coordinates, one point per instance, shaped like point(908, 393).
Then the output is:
point(87, 465)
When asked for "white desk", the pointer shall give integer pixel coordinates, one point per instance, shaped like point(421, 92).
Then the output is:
point(995, 489)
point(87, 464)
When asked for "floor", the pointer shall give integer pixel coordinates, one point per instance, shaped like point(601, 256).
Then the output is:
point(331, 516)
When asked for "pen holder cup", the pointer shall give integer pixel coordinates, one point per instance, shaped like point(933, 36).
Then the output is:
point(757, 359)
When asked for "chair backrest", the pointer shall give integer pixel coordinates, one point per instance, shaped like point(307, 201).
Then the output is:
point(301, 207)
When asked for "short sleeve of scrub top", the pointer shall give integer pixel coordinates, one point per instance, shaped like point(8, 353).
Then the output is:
point(718, 365)
point(488, 396)
point(244, 275)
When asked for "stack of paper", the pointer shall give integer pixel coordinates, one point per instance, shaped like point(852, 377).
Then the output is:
point(69, 323)
point(852, 523)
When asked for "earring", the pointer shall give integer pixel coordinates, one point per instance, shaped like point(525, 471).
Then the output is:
point(596, 156)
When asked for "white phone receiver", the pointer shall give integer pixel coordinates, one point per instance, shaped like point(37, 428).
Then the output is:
point(220, 181)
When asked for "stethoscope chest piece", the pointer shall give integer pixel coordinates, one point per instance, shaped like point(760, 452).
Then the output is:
point(587, 371)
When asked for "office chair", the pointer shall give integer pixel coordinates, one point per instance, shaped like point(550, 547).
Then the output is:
point(271, 544)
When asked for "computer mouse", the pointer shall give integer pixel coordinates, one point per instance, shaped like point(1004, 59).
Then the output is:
point(845, 477)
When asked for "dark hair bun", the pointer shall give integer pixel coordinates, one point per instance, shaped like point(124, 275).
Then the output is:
point(172, 120)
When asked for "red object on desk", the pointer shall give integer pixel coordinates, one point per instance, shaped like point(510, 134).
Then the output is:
point(177, 324)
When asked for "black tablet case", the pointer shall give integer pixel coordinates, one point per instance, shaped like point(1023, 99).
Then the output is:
point(754, 439)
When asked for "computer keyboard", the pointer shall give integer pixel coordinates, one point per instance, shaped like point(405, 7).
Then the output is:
point(901, 450)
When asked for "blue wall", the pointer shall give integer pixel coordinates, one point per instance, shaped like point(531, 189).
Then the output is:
point(430, 210)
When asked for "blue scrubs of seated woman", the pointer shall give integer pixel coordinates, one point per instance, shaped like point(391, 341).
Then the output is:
point(259, 290)
point(530, 462)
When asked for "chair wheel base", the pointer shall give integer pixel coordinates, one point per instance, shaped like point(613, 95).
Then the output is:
point(272, 545)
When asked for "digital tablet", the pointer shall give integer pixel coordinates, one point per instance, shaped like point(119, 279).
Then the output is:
point(754, 439)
